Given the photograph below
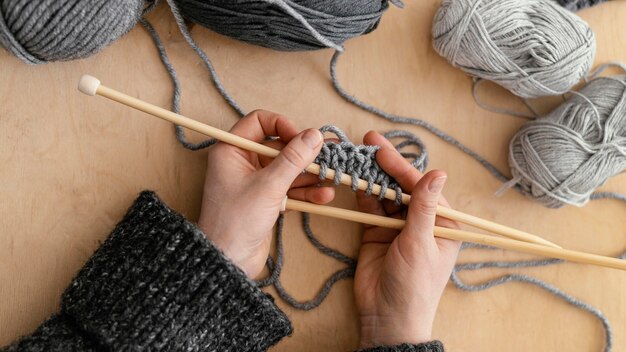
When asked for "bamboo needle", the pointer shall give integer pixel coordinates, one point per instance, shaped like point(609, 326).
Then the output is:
point(92, 86)
point(459, 235)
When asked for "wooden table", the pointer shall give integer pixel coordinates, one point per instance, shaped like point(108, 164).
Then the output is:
point(71, 166)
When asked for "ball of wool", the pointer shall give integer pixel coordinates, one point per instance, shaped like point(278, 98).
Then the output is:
point(576, 5)
point(531, 47)
point(39, 31)
point(282, 24)
point(564, 156)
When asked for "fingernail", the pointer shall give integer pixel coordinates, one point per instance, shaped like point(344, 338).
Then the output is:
point(312, 138)
point(436, 185)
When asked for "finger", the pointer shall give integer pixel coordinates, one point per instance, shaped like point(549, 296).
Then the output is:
point(392, 162)
point(306, 180)
point(317, 195)
point(391, 207)
point(420, 220)
point(279, 144)
point(369, 204)
point(259, 124)
point(293, 158)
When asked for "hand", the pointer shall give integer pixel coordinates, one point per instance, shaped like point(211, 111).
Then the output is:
point(243, 192)
point(400, 276)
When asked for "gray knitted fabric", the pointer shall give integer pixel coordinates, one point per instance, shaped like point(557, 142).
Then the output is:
point(157, 284)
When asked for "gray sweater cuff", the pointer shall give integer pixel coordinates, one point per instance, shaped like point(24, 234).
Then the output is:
point(157, 284)
point(432, 346)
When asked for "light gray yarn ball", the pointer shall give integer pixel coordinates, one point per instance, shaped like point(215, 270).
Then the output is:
point(531, 47)
point(39, 31)
point(563, 157)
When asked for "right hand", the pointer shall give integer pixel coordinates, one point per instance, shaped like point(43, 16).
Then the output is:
point(401, 275)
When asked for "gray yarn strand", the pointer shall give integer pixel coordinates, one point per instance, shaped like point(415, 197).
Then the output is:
point(205, 59)
point(459, 283)
point(410, 121)
point(179, 131)
point(275, 268)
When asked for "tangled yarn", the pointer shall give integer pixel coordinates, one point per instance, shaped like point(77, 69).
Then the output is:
point(532, 48)
point(563, 157)
point(40, 31)
point(287, 24)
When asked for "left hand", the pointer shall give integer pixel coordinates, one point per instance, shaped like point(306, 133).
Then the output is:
point(243, 192)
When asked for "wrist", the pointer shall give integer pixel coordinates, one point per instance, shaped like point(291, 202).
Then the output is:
point(249, 260)
point(390, 331)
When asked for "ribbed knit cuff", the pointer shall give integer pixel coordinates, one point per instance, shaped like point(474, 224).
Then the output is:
point(157, 284)
point(56, 334)
point(432, 346)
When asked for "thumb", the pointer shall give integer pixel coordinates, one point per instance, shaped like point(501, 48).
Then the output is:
point(293, 158)
point(422, 211)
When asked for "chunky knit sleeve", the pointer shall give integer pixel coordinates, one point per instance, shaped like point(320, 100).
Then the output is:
point(157, 284)
point(433, 346)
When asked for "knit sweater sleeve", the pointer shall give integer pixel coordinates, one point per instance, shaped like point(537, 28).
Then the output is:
point(432, 346)
point(157, 284)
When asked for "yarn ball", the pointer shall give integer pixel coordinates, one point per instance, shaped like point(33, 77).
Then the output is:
point(564, 156)
point(576, 5)
point(282, 24)
point(532, 48)
point(40, 31)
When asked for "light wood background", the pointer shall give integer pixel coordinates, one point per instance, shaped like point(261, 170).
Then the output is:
point(71, 166)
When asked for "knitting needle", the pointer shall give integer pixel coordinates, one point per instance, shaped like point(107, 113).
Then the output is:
point(91, 86)
point(458, 235)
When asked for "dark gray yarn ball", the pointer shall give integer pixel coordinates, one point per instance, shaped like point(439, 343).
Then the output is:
point(267, 23)
point(533, 48)
point(40, 31)
point(576, 5)
point(563, 157)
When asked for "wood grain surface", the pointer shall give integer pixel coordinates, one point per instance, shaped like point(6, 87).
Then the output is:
point(71, 165)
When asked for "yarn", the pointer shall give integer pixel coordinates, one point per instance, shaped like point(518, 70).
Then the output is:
point(275, 265)
point(533, 48)
point(455, 279)
point(359, 161)
point(503, 279)
point(563, 157)
point(40, 31)
point(575, 5)
point(287, 24)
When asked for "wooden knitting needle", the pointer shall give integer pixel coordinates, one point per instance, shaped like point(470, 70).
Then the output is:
point(92, 86)
point(459, 235)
